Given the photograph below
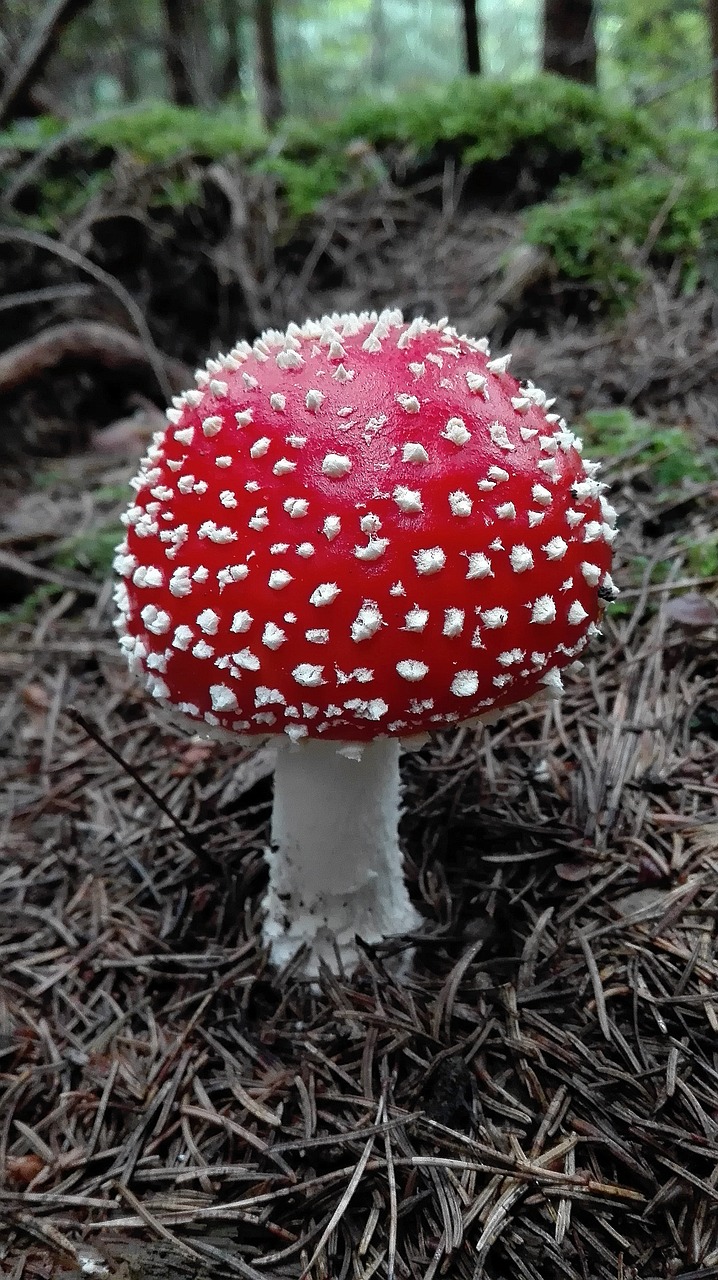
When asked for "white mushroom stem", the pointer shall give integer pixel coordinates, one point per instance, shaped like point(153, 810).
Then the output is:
point(335, 865)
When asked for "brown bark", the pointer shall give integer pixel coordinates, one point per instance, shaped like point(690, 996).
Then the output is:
point(472, 49)
point(230, 79)
point(128, 23)
point(378, 36)
point(569, 44)
point(187, 52)
point(270, 89)
point(35, 53)
point(89, 340)
point(712, 16)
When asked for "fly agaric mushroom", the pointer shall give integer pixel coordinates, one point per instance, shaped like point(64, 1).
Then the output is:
point(351, 533)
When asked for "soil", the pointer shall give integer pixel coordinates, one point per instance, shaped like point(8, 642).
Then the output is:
point(538, 1097)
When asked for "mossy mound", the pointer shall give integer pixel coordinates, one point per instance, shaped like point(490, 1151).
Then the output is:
point(600, 187)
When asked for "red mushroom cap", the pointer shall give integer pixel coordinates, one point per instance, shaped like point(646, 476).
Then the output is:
point(360, 528)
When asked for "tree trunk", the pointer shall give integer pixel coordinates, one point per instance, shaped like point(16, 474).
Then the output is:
point(5, 44)
point(569, 41)
point(378, 38)
point(128, 23)
point(471, 37)
point(35, 53)
point(270, 90)
point(712, 16)
point(187, 52)
point(230, 79)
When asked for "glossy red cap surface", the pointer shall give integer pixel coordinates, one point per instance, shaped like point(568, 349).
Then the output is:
point(360, 527)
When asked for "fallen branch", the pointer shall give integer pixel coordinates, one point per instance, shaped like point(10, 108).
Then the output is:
point(87, 340)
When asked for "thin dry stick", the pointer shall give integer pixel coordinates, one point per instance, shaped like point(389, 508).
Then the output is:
point(193, 845)
point(154, 358)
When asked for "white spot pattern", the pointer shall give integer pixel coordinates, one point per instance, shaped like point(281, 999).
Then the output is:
point(336, 465)
point(307, 348)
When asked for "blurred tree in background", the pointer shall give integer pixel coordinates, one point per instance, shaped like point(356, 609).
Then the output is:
point(658, 53)
point(310, 57)
point(569, 39)
point(472, 39)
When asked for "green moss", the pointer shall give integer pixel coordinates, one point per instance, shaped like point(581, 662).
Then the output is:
point(622, 191)
point(478, 120)
point(669, 452)
point(47, 477)
point(157, 133)
point(63, 198)
point(658, 570)
point(612, 431)
point(600, 236)
point(111, 493)
point(489, 118)
point(547, 120)
point(32, 135)
point(161, 133)
point(175, 192)
point(305, 185)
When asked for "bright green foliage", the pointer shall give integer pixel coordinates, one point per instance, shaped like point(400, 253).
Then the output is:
point(612, 431)
point(660, 205)
point(305, 185)
point(489, 118)
point(110, 493)
point(162, 132)
point(600, 236)
point(32, 135)
point(155, 133)
point(484, 119)
point(669, 452)
point(480, 120)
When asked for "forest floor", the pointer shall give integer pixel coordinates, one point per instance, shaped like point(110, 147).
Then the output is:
point(539, 1096)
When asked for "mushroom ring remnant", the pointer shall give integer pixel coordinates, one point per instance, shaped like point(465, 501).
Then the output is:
point(349, 534)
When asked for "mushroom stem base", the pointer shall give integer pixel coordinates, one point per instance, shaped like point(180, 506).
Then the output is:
point(335, 865)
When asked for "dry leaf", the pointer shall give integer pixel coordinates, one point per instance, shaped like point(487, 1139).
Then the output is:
point(692, 610)
point(35, 697)
point(573, 871)
point(22, 1169)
